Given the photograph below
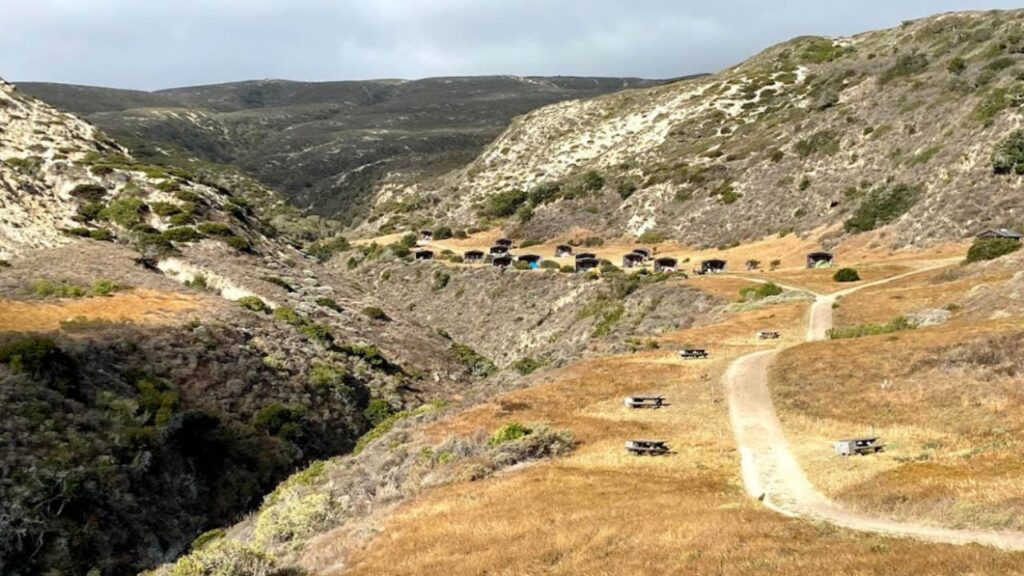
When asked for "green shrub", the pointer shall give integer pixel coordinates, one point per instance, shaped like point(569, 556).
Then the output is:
point(376, 313)
point(441, 279)
point(284, 421)
point(897, 324)
point(182, 234)
point(41, 358)
point(567, 269)
point(328, 303)
point(526, 366)
point(101, 234)
point(1008, 157)
point(824, 142)
point(104, 287)
point(238, 243)
point(327, 376)
point(549, 265)
point(529, 242)
point(544, 192)
point(846, 275)
point(759, 292)
point(504, 204)
point(254, 303)
point(89, 192)
point(288, 315)
point(478, 365)
point(991, 248)
point(956, 65)
point(906, 65)
point(521, 265)
point(216, 229)
point(508, 433)
point(165, 209)
point(387, 424)
point(882, 206)
point(377, 410)
point(652, 237)
point(126, 212)
point(593, 241)
point(62, 289)
point(317, 331)
point(197, 282)
point(278, 281)
point(626, 188)
point(324, 250)
point(90, 211)
point(443, 233)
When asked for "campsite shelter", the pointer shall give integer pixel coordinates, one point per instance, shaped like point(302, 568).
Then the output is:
point(499, 250)
point(632, 260)
point(644, 252)
point(584, 264)
point(1000, 233)
point(426, 236)
point(820, 260)
point(563, 250)
point(712, 266)
point(665, 264)
point(502, 261)
point(473, 255)
point(532, 259)
point(503, 242)
point(424, 254)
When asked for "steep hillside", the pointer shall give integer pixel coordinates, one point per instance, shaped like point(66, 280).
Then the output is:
point(166, 357)
point(897, 127)
point(327, 146)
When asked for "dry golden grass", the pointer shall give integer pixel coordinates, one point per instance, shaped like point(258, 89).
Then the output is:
point(952, 432)
point(936, 289)
point(600, 511)
point(143, 307)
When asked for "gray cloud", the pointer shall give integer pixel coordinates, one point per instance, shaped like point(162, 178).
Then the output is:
point(152, 44)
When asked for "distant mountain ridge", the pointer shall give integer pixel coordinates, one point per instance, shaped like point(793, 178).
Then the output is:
point(326, 146)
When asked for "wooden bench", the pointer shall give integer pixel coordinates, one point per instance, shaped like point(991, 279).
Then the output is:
point(693, 353)
point(768, 335)
point(647, 447)
point(858, 446)
point(644, 402)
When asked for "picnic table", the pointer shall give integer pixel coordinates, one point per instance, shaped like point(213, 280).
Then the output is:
point(693, 353)
point(768, 335)
point(644, 402)
point(647, 447)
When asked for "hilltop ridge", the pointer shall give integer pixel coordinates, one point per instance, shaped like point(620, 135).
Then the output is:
point(839, 134)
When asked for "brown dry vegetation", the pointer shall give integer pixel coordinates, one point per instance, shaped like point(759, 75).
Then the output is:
point(947, 402)
point(602, 512)
point(142, 307)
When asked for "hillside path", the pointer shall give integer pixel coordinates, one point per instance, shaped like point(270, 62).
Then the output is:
point(771, 472)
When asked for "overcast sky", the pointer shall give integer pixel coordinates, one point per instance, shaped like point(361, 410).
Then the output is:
point(152, 44)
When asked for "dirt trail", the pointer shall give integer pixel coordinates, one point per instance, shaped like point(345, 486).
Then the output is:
point(772, 474)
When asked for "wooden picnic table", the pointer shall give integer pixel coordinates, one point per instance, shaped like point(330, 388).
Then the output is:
point(644, 401)
point(647, 447)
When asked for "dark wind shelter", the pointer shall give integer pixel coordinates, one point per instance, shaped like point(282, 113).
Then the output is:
point(584, 264)
point(424, 255)
point(712, 266)
point(632, 260)
point(503, 242)
point(665, 264)
point(502, 261)
point(819, 260)
point(473, 255)
point(563, 250)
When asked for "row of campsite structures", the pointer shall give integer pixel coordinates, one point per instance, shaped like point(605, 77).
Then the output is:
point(500, 255)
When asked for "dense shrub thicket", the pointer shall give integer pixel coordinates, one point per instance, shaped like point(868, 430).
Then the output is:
point(991, 248)
point(882, 206)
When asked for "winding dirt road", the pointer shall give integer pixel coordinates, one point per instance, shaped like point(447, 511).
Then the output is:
point(772, 474)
